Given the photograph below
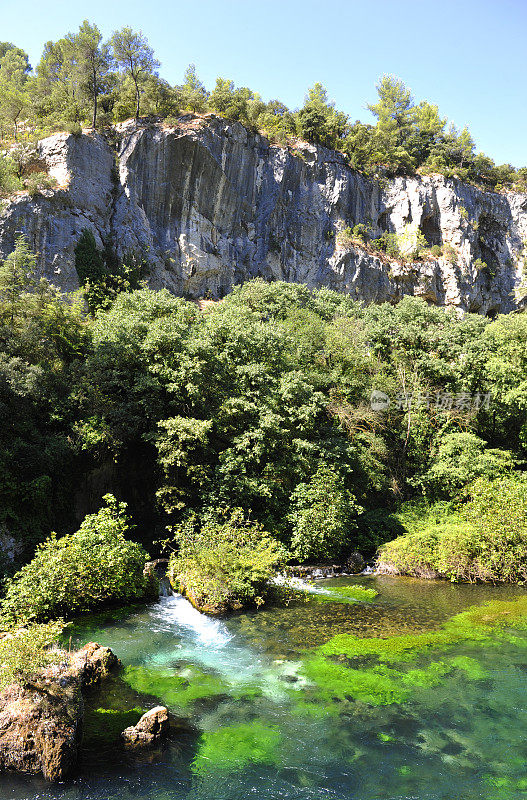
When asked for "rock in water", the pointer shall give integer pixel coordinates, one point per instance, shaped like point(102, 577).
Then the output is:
point(354, 563)
point(41, 727)
point(93, 662)
point(152, 727)
point(41, 720)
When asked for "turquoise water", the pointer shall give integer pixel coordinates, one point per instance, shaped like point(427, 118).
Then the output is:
point(251, 721)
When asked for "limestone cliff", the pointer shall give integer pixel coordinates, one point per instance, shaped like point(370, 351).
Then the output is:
point(210, 205)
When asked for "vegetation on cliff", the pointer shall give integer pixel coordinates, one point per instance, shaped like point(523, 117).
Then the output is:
point(82, 80)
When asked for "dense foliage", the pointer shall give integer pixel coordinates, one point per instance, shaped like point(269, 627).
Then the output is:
point(226, 564)
point(25, 652)
point(82, 80)
point(79, 572)
point(266, 402)
point(484, 540)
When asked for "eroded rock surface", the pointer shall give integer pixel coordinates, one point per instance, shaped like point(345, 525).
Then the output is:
point(41, 720)
point(210, 204)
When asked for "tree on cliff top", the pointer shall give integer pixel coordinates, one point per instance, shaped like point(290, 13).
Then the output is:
point(92, 62)
point(134, 56)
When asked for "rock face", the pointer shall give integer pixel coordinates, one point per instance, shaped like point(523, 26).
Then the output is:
point(41, 721)
point(209, 205)
point(153, 726)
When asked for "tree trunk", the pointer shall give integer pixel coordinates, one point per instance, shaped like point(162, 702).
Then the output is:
point(95, 98)
point(137, 96)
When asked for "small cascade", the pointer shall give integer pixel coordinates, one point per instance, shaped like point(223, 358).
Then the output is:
point(165, 590)
point(300, 584)
point(174, 612)
point(368, 571)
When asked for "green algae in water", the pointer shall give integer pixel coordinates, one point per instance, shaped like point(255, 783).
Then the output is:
point(383, 684)
point(347, 594)
point(234, 747)
point(479, 624)
point(176, 690)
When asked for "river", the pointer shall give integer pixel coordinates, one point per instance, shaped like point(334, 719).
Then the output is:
point(260, 713)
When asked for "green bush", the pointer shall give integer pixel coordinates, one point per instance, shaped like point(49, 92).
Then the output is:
point(344, 237)
point(387, 243)
point(24, 652)
point(38, 181)
point(79, 572)
point(460, 459)
point(486, 541)
point(450, 253)
point(223, 565)
point(323, 517)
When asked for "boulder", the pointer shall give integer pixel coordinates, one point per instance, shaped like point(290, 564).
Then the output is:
point(93, 662)
point(153, 726)
point(354, 563)
point(41, 719)
point(41, 727)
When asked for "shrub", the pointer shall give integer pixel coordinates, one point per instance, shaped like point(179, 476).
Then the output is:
point(450, 253)
point(486, 541)
point(9, 181)
point(436, 250)
point(38, 181)
point(460, 459)
point(79, 572)
point(362, 232)
point(479, 265)
point(223, 565)
point(323, 516)
point(344, 237)
point(23, 653)
point(387, 243)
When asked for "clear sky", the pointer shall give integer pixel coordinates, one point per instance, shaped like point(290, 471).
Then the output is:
point(467, 56)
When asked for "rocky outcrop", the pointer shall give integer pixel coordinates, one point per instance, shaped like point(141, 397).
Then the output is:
point(209, 205)
point(41, 727)
point(151, 728)
point(41, 720)
point(92, 663)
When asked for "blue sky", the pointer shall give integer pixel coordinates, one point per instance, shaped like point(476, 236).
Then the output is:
point(468, 56)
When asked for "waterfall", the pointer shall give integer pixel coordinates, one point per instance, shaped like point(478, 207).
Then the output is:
point(165, 590)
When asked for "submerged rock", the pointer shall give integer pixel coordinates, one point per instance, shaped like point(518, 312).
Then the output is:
point(41, 719)
point(153, 726)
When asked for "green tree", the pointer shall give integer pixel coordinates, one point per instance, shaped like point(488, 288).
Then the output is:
point(323, 517)
point(134, 56)
point(14, 94)
point(92, 63)
point(17, 275)
point(394, 112)
point(192, 92)
point(318, 121)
